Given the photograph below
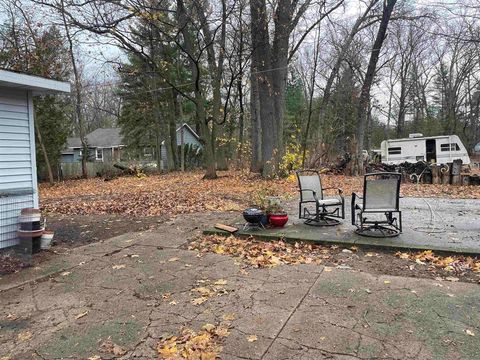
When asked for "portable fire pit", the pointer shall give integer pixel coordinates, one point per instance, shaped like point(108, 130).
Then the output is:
point(253, 218)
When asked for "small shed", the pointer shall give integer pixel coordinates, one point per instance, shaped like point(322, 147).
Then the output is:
point(18, 170)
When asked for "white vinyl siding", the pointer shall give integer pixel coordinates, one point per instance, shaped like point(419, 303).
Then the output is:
point(17, 160)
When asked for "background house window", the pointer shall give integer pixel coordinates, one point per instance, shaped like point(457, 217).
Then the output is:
point(99, 154)
point(449, 147)
point(148, 152)
point(394, 150)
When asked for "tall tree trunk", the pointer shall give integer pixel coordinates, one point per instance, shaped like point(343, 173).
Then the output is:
point(268, 89)
point(199, 99)
point(158, 145)
point(388, 6)
point(172, 128)
point(402, 106)
point(311, 92)
point(45, 154)
point(78, 96)
point(241, 117)
point(255, 128)
point(340, 58)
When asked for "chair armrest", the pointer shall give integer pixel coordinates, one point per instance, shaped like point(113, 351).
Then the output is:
point(340, 191)
point(360, 196)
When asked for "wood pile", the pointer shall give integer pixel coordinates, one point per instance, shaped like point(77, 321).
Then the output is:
point(454, 173)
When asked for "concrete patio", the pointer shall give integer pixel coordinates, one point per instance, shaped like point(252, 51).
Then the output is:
point(451, 225)
point(136, 288)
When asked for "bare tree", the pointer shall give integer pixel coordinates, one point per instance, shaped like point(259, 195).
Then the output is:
point(364, 101)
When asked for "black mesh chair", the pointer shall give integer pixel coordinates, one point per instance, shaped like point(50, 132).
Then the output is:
point(313, 207)
point(381, 197)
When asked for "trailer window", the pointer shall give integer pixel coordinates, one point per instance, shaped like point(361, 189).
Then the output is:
point(394, 150)
point(449, 147)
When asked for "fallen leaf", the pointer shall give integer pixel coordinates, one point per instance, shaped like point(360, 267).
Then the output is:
point(208, 327)
point(169, 349)
point(469, 332)
point(222, 331)
point(79, 316)
point(65, 273)
point(199, 301)
point(173, 302)
point(229, 317)
point(387, 282)
point(117, 267)
point(112, 348)
point(252, 338)
point(11, 317)
point(24, 335)
point(221, 282)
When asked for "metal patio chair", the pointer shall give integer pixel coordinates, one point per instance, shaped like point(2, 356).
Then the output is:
point(381, 197)
point(313, 206)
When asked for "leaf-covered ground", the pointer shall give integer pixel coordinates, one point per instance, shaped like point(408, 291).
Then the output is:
point(261, 254)
point(177, 193)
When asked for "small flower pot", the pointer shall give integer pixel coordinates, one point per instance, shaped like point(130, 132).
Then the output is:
point(46, 240)
point(278, 220)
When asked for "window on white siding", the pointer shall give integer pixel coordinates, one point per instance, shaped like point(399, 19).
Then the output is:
point(99, 154)
point(449, 147)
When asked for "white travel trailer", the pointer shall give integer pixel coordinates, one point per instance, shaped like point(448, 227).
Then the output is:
point(438, 149)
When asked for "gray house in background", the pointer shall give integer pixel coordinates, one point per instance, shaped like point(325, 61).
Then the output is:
point(18, 170)
point(104, 145)
point(186, 136)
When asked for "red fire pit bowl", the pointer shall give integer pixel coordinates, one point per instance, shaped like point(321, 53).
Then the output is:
point(278, 220)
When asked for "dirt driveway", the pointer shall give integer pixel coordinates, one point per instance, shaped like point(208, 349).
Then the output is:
point(127, 296)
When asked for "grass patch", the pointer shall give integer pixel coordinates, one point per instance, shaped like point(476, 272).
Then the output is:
point(80, 342)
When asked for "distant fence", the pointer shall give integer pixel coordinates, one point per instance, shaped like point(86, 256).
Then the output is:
point(74, 170)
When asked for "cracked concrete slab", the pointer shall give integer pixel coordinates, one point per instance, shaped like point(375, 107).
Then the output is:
point(137, 288)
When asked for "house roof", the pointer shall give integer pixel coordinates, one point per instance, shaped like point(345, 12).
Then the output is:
point(108, 137)
point(105, 137)
point(37, 84)
point(74, 142)
point(188, 127)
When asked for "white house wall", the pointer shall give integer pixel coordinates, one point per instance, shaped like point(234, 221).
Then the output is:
point(17, 160)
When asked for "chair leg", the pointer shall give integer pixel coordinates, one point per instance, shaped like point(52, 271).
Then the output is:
point(353, 213)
